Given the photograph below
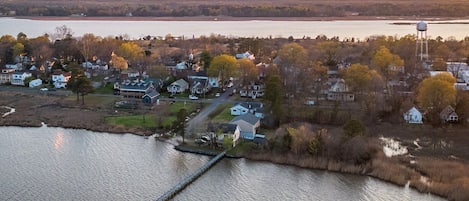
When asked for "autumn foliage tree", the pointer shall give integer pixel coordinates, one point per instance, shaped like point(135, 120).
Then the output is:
point(223, 66)
point(247, 71)
point(387, 63)
point(435, 93)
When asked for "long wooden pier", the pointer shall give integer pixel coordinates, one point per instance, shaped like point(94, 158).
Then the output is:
point(189, 179)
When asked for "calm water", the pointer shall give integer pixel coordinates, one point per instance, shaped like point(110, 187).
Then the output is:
point(359, 29)
point(62, 164)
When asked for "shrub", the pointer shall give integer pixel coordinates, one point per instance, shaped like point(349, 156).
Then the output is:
point(354, 128)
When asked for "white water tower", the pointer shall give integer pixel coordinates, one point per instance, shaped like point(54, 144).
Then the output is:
point(421, 49)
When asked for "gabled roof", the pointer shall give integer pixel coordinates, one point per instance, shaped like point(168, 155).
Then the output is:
point(152, 94)
point(248, 117)
point(180, 82)
point(135, 86)
point(447, 111)
point(412, 110)
point(251, 105)
point(223, 127)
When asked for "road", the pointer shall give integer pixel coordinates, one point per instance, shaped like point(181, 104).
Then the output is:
point(197, 121)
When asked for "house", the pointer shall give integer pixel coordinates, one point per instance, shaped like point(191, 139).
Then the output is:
point(246, 55)
point(448, 115)
point(138, 90)
point(6, 75)
point(178, 86)
point(339, 91)
point(18, 77)
point(255, 108)
point(253, 90)
point(199, 84)
point(35, 83)
point(457, 69)
point(225, 131)
point(60, 79)
point(413, 116)
point(248, 123)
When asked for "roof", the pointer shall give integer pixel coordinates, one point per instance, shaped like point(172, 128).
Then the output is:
point(180, 82)
point(248, 117)
point(447, 111)
point(251, 105)
point(141, 86)
point(224, 127)
point(152, 94)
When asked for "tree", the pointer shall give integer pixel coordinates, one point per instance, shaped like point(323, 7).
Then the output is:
point(247, 71)
point(79, 83)
point(357, 77)
point(292, 63)
point(222, 66)
point(387, 63)
point(205, 59)
point(131, 51)
point(180, 123)
point(274, 96)
point(62, 32)
point(439, 64)
point(354, 128)
point(18, 49)
point(88, 45)
point(435, 93)
point(119, 62)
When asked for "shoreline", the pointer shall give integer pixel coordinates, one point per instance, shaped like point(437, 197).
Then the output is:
point(229, 18)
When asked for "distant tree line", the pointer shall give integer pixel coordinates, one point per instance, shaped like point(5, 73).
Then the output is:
point(309, 10)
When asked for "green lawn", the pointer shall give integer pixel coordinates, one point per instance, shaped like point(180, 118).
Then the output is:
point(133, 121)
point(108, 89)
point(176, 106)
point(224, 115)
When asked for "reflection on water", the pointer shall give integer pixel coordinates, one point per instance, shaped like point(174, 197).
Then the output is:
point(58, 140)
point(64, 164)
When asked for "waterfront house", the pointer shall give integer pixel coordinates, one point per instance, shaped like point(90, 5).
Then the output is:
point(448, 115)
point(255, 108)
point(248, 123)
point(225, 132)
point(136, 90)
point(413, 116)
point(18, 77)
point(178, 86)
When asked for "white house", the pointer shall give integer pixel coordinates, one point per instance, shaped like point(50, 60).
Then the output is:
point(413, 116)
point(35, 83)
point(225, 131)
point(339, 91)
point(5, 75)
point(255, 108)
point(248, 123)
point(178, 86)
point(60, 79)
point(18, 77)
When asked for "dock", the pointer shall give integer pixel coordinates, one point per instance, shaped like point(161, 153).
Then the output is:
point(190, 178)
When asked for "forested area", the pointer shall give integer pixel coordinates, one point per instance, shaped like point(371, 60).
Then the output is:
point(239, 9)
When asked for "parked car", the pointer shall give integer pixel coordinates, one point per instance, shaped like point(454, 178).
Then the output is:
point(217, 94)
point(44, 89)
point(192, 97)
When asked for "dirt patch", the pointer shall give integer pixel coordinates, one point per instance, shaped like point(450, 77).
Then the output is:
point(59, 111)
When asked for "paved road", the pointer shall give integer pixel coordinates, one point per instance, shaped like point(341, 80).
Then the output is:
point(197, 121)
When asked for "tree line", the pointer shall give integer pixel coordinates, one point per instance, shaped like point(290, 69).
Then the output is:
point(421, 9)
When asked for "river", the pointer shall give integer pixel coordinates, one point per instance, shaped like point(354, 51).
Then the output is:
point(65, 164)
point(358, 29)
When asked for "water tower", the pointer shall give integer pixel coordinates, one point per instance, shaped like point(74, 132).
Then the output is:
point(421, 49)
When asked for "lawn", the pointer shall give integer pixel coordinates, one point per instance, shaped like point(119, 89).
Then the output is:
point(176, 106)
point(147, 121)
point(99, 101)
point(222, 113)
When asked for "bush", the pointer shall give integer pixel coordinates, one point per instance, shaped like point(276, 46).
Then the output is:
point(354, 128)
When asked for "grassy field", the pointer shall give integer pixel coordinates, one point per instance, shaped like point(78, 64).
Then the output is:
point(146, 121)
